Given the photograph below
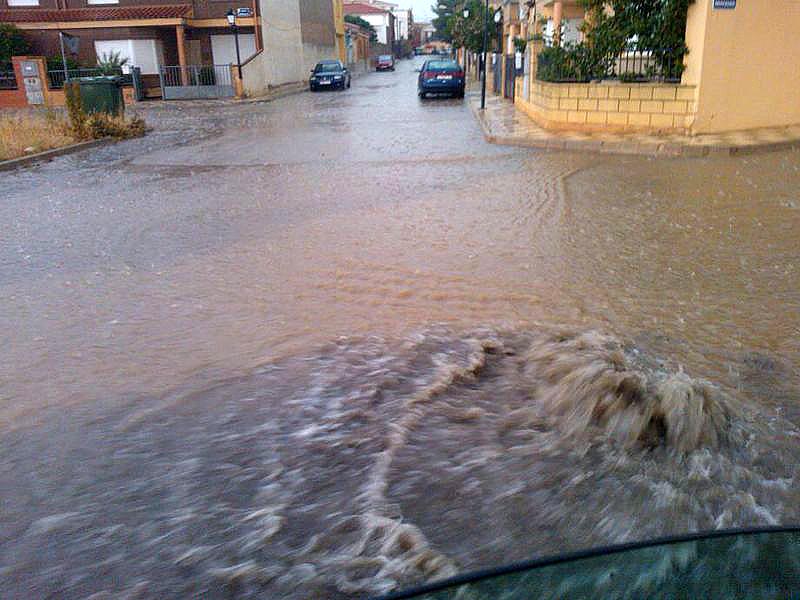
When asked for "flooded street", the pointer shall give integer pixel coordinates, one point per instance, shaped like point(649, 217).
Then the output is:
point(336, 344)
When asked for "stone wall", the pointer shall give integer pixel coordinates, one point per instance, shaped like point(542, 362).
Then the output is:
point(317, 22)
point(612, 105)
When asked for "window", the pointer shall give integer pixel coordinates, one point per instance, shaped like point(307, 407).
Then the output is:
point(223, 48)
point(23, 2)
point(148, 55)
point(328, 67)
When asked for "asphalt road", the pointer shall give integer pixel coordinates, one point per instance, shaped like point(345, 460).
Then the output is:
point(289, 349)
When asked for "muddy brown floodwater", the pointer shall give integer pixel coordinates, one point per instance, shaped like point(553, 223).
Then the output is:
point(336, 344)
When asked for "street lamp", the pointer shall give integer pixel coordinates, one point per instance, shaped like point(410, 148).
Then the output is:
point(483, 54)
point(498, 16)
point(231, 16)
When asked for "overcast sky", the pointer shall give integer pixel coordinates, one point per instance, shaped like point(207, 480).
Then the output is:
point(421, 8)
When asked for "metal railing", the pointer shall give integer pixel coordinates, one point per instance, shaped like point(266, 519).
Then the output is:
point(196, 75)
point(646, 65)
point(8, 80)
point(577, 64)
point(56, 78)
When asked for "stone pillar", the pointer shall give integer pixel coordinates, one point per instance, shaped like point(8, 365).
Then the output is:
point(32, 82)
point(558, 12)
point(238, 84)
point(180, 35)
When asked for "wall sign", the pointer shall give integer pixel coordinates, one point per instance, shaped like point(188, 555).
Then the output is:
point(33, 90)
point(30, 68)
point(725, 4)
point(33, 84)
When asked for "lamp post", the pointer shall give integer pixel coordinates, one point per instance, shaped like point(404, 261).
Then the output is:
point(465, 14)
point(483, 58)
point(231, 16)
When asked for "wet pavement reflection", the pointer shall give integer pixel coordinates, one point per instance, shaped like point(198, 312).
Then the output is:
point(300, 348)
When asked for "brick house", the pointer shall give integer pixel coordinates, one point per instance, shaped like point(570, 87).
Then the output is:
point(149, 33)
point(381, 19)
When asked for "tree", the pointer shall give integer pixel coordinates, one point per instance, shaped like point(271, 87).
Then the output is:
point(12, 43)
point(445, 11)
point(111, 63)
point(364, 24)
point(655, 26)
point(468, 33)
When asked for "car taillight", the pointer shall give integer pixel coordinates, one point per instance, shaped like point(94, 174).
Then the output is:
point(428, 75)
point(459, 74)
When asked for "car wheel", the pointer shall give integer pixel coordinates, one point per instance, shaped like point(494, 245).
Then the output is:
point(348, 84)
point(422, 94)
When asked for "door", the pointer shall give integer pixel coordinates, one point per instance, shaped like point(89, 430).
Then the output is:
point(194, 54)
point(511, 77)
point(223, 48)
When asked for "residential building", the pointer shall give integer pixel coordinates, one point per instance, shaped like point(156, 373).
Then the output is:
point(146, 32)
point(357, 44)
point(296, 35)
point(381, 19)
point(403, 19)
point(279, 40)
point(739, 74)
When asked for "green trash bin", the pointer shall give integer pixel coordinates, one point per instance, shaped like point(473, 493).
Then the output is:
point(101, 94)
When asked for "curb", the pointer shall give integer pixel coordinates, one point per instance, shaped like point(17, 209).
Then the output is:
point(47, 155)
point(666, 149)
point(289, 90)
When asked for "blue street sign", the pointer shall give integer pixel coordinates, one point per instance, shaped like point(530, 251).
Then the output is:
point(244, 12)
point(725, 4)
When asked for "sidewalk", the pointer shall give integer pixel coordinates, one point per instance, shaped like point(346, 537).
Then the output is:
point(504, 124)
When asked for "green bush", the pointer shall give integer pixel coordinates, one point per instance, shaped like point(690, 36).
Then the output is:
point(54, 63)
point(12, 43)
point(97, 125)
point(571, 62)
point(657, 26)
point(102, 125)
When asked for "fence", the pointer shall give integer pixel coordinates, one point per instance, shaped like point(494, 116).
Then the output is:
point(8, 80)
point(647, 65)
point(577, 63)
point(196, 75)
point(57, 77)
point(196, 81)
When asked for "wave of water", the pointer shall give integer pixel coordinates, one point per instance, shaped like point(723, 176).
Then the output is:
point(373, 464)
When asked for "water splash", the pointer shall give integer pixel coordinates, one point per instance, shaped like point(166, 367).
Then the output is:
point(585, 381)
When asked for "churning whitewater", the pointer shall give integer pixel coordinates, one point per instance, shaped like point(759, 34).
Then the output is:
point(374, 464)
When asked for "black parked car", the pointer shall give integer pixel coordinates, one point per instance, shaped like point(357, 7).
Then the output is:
point(441, 76)
point(329, 74)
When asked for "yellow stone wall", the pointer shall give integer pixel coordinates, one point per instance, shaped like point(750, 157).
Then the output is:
point(745, 64)
point(338, 22)
point(612, 105)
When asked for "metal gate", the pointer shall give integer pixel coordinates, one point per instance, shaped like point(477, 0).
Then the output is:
point(497, 71)
point(196, 82)
point(511, 77)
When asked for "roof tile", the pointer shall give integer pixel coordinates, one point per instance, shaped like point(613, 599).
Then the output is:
point(105, 13)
